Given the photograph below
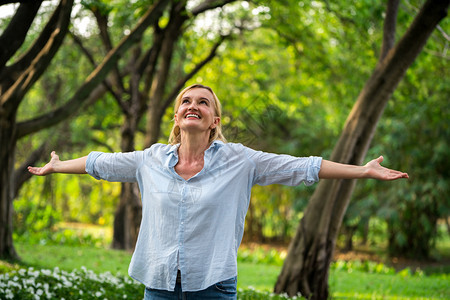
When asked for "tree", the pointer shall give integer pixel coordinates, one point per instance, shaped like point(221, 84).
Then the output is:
point(17, 78)
point(307, 264)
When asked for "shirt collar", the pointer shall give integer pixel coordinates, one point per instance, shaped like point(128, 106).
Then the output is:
point(174, 148)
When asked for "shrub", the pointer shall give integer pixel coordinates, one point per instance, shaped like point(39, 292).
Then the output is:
point(59, 284)
point(84, 284)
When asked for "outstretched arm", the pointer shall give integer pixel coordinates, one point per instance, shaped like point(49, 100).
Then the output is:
point(373, 169)
point(74, 166)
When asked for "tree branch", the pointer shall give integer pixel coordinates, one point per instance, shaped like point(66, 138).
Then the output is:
point(409, 46)
point(14, 35)
point(209, 4)
point(147, 66)
point(390, 23)
point(108, 85)
point(102, 22)
point(95, 78)
point(11, 99)
point(57, 21)
point(83, 49)
point(103, 144)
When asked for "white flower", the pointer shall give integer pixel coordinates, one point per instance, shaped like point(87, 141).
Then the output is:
point(8, 292)
point(98, 294)
point(39, 292)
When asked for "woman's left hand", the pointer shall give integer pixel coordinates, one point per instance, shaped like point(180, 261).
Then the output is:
point(376, 171)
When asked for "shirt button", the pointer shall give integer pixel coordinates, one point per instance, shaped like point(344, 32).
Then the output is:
point(182, 223)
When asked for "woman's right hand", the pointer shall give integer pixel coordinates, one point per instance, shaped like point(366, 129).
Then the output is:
point(49, 168)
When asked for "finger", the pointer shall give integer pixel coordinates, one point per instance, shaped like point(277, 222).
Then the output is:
point(397, 174)
point(34, 170)
point(54, 155)
point(380, 159)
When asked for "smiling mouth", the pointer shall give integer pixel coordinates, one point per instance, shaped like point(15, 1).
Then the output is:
point(192, 116)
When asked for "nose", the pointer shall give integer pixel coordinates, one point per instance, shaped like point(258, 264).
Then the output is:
point(192, 106)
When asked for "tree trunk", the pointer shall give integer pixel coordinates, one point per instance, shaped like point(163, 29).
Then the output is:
point(306, 267)
point(127, 217)
point(7, 138)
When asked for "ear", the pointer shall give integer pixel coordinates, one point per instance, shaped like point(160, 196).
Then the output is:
point(175, 118)
point(215, 123)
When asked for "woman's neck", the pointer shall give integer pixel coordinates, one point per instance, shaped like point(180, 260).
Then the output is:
point(193, 146)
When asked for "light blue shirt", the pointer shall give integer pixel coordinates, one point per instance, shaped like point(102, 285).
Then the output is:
point(195, 225)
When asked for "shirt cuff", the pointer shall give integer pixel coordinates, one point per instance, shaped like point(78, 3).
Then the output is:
point(92, 157)
point(312, 174)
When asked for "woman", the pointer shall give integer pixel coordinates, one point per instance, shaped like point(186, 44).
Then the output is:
point(195, 193)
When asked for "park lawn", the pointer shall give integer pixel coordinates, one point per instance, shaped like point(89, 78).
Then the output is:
point(343, 284)
point(67, 258)
point(362, 285)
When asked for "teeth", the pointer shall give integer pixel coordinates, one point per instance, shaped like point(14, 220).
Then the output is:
point(192, 115)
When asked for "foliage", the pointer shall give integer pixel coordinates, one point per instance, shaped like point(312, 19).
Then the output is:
point(78, 284)
point(250, 293)
point(60, 237)
point(371, 267)
point(260, 255)
point(61, 197)
point(415, 124)
point(413, 136)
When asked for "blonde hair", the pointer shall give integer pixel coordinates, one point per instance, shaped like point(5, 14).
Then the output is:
point(215, 134)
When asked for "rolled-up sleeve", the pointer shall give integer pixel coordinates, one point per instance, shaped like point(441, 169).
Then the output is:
point(92, 157)
point(284, 169)
point(120, 167)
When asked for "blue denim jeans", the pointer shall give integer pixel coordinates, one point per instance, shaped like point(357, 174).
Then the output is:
point(221, 290)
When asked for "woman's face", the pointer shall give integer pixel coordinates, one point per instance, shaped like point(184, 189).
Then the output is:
point(196, 111)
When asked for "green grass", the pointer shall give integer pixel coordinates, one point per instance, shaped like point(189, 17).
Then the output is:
point(259, 276)
point(71, 257)
point(345, 282)
point(361, 285)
